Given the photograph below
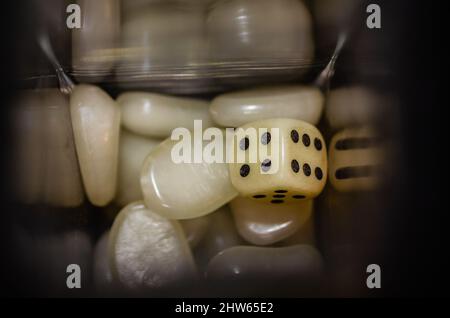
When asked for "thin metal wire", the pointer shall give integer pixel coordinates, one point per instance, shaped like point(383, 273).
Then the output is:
point(65, 82)
point(324, 77)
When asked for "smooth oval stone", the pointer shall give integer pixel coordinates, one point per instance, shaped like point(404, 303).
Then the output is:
point(148, 251)
point(184, 190)
point(133, 150)
point(264, 224)
point(220, 235)
point(290, 101)
point(299, 263)
point(354, 105)
point(156, 115)
point(260, 29)
point(195, 229)
point(94, 44)
point(96, 126)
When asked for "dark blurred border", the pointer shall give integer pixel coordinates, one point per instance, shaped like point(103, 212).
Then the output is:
point(417, 236)
point(9, 32)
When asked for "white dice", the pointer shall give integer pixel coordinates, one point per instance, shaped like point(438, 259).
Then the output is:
point(289, 161)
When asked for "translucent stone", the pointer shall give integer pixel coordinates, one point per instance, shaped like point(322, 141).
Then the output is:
point(132, 152)
point(148, 251)
point(290, 101)
point(96, 126)
point(156, 115)
point(184, 190)
point(264, 224)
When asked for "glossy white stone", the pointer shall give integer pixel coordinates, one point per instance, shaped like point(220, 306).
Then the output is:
point(156, 115)
point(264, 224)
point(184, 190)
point(260, 29)
point(96, 126)
point(133, 150)
point(236, 109)
point(147, 250)
point(94, 45)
